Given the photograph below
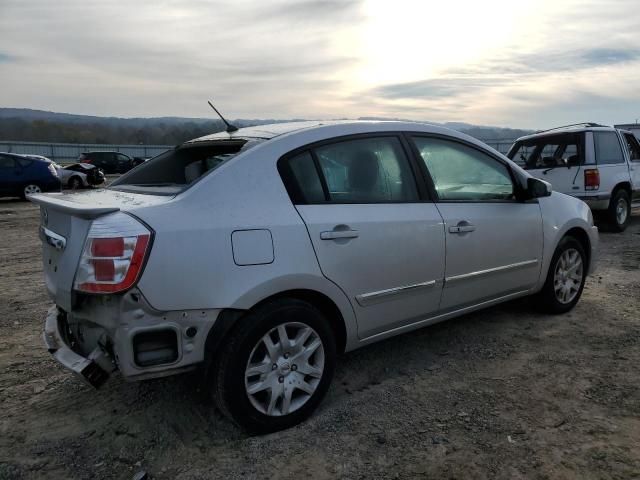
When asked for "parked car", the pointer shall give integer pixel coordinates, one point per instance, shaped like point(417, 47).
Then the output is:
point(138, 160)
point(21, 176)
point(80, 175)
point(598, 164)
point(262, 254)
point(108, 162)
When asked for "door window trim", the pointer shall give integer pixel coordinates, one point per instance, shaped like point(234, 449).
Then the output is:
point(428, 179)
point(297, 197)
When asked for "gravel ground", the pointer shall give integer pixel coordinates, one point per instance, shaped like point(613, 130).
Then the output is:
point(504, 393)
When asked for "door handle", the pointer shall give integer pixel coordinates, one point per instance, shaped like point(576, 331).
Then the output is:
point(335, 234)
point(462, 228)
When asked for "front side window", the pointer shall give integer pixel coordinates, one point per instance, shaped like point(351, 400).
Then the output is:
point(462, 173)
point(608, 149)
point(368, 170)
point(548, 152)
point(633, 146)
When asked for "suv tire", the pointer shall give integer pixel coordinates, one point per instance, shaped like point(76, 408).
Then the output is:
point(284, 348)
point(619, 211)
point(565, 277)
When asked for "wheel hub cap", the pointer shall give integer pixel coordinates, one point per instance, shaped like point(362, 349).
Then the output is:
point(284, 369)
point(568, 275)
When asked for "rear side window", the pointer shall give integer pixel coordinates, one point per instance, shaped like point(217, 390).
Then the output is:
point(6, 162)
point(24, 162)
point(633, 146)
point(175, 170)
point(608, 149)
point(548, 152)
point(305, 179)
point(367, 170)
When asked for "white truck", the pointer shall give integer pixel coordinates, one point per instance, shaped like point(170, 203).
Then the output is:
point(596, 163)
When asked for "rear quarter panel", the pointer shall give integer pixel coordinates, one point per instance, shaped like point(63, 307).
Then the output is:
point(191, 264)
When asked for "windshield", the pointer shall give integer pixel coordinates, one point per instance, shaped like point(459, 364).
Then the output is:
point(549, 151)
point(177, 169)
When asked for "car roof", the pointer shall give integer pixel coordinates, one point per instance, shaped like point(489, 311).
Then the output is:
point(326, 129)
point(577, 128)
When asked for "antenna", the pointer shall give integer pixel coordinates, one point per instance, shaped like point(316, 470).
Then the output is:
point(230, 128)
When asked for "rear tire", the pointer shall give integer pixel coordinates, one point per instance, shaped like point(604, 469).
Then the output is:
point(75, 183)
point(565, 278)
point(30, 189)
point(275, 367)
point(619, 211)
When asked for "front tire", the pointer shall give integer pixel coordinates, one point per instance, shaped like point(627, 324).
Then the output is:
point(619, 211)
point(276, 366)
point(565, 278)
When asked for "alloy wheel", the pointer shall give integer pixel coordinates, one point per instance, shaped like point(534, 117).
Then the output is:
point(622, 211)
point(568, 276)
point(284, 369)
point(31, 189)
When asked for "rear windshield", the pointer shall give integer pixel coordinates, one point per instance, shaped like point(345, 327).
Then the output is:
point(549, 151)
point(177, 169)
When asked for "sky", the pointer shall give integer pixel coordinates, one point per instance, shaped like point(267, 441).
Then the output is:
point(518, 63)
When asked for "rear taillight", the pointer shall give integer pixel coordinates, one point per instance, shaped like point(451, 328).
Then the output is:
point(113, 255)
point(591, 179)
point(52, 169)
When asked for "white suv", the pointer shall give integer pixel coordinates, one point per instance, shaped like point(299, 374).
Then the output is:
point(261, 254)
point(598, 164)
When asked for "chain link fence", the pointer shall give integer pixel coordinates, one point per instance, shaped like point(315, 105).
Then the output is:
point(63, 153)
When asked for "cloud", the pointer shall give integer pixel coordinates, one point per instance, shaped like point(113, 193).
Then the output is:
point(6, 58)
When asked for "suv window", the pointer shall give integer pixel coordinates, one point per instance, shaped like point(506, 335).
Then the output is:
point(548, 152)
point(122, 157)
point(633, 146)
point(608, 149)
point(463, 173)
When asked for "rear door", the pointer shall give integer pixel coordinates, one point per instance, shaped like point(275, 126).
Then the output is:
point(373, 232)
point(493, 242)
point(633, 147)
point(557, 159)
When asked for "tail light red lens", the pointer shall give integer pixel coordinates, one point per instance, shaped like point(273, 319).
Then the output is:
point(113, 255)
point(591, 179)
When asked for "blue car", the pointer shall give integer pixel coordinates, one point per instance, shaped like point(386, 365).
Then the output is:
point(21, 176)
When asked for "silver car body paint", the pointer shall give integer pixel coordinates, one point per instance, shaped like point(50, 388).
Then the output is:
point(234, 239)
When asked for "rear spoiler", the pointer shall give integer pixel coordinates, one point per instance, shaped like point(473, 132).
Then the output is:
point(55, 202)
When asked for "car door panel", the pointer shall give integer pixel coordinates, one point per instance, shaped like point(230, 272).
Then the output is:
point(502, 255)
point(372, 233)
point(390, 263)
point(493, 242)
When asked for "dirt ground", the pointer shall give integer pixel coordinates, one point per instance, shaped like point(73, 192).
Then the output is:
point(506, 393)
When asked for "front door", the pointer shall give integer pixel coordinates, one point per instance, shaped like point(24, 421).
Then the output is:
point(374, 235)
point(493, 242)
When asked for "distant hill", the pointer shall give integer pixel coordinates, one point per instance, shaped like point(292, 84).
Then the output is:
point(22, 124)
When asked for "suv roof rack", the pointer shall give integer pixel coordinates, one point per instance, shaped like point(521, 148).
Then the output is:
point(582, 124)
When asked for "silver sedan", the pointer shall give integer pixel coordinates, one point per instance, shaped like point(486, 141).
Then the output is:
point(260, 254)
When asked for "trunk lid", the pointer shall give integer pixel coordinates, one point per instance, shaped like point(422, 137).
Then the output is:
point(65, 220)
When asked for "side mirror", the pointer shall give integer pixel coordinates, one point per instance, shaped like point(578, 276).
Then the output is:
point(537, 188)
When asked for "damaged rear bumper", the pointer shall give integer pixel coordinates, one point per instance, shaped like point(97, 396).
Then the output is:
point(87, 368)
